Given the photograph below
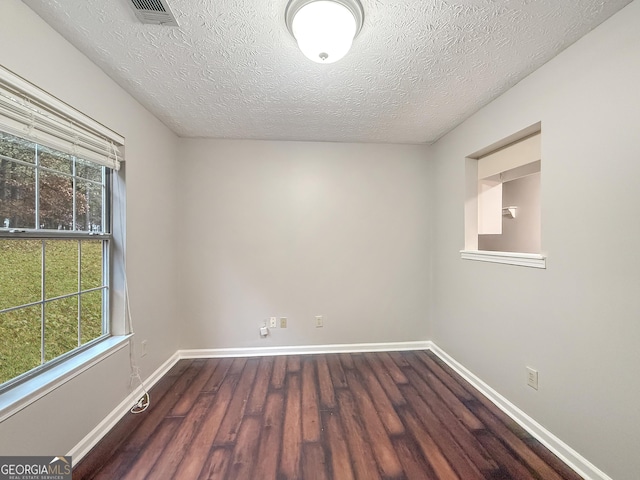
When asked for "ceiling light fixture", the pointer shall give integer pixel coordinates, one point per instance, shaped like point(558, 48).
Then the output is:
point(324, 29)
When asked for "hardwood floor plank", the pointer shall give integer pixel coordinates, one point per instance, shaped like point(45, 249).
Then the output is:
point(413, 463)
point(327, 394)
point(310, 407)
point(216, 466)
point(384, 407)
point(174, 452)
point(237, 366)
point(150, 453)
point(398, 358)
point(386, 380)
point(293, 363)
point(446, 378)
point(114, 442)
point(271, 440)
point(393, 369)
point(161, 407)
point(260, 387)
point(548, 457)
point(509, 463)
point(428, 447)
point(340, 459)
point(188, 398)
point(314, 465)
point(197, 452)
point(383, 450)
point(245, 450)
point(337, 372)
point(516, 444)
point(455, 404)
point(231, 422)
point(279, 372)
point(464, 437)
point(359, 445)
point(218, 376)
point(179, 368)
point(462, 383)
point(438, 431)
point(347, 361)
point(292, 431)
point(115, 469)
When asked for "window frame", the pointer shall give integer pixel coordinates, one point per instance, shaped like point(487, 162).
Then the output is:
point(27, 111)
point(44, 235)
point(471, 220)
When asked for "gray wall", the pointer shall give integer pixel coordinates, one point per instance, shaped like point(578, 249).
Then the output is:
point(304, 229)
point(577, 321)
point(57, 422)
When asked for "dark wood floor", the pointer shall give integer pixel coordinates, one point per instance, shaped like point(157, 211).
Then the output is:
point(344, 416)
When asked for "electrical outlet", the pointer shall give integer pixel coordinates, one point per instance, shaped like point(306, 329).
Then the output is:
point(319, 321)
point(273, 322)
point(143, 345)
point(532, 378)
point(283, 322)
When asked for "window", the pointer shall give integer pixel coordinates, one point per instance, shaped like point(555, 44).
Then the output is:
point(502, 218)
point(56, 170)
point(54, 253)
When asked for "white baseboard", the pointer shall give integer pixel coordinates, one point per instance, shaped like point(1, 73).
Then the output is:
point(563, 451)
point(93, 437)
point(303, 349)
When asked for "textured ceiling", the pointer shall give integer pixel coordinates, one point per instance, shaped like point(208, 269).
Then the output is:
point(232, 70)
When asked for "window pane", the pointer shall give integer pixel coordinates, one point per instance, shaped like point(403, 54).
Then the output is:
point(91, 315)
point(56, 201)
point(20, 339)
point(20, 272)
point(60, 327)
point(91, 264)
point(88, 170)
point(17, 148)
point(55, 160)
point(88, 206)
point(17, 195)
point(61, 267)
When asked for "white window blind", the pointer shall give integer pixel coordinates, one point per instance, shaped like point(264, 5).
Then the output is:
point(29, 112)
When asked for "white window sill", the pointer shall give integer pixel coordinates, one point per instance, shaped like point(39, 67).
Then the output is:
point(533, 260)
point(24, 394)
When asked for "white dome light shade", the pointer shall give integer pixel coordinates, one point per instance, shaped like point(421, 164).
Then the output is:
point(325, 29)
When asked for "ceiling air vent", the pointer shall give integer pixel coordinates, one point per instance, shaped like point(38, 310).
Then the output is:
point(153, 11)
